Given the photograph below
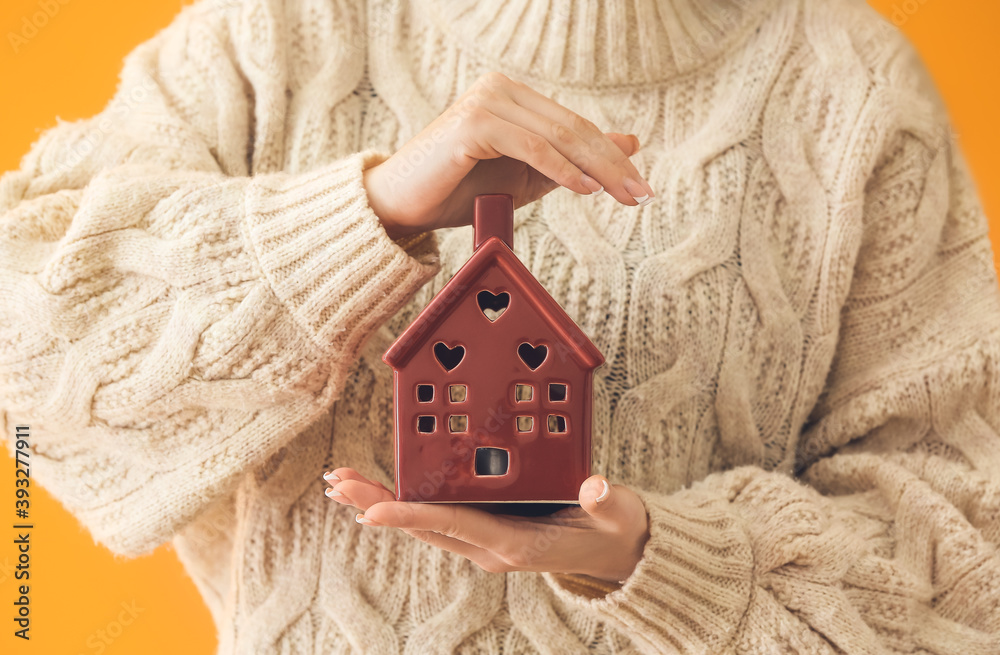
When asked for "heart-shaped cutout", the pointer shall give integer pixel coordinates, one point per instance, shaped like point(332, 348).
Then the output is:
point(493, 305)
point(533, 356)
point(449, 357)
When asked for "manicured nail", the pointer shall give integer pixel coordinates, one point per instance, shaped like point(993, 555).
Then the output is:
point(591, 183)
point(330, 476)
point(636, 191)
point(637, 144)
point(360, 518)
point(331, 492)
point(604, 494)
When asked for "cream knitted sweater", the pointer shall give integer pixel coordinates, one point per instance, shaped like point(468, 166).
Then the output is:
point(802, 332)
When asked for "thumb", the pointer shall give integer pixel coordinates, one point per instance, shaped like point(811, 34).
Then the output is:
point(598, 498)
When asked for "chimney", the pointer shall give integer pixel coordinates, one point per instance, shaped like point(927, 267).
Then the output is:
point(494, 217)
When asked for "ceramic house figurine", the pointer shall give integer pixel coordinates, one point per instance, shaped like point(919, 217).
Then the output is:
point(492, 383)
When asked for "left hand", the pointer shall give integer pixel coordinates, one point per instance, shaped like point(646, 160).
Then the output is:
point(603, 537)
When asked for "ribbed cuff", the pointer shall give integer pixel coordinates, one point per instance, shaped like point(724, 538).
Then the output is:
point(691, 587)
point(326, 254)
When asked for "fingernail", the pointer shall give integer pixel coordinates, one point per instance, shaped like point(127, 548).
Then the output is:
point(638, 145)
point(331, 492)
point(604, 494)
point(636, 191)
point(330, 476)
point(360, 518)
point(591, 183)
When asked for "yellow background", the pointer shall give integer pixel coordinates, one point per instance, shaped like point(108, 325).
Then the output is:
point(69, 69)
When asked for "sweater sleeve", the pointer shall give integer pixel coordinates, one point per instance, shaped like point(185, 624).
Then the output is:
point(886, 539)
point(170, 320)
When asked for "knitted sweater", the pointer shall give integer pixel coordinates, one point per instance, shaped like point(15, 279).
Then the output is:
point(802, 332)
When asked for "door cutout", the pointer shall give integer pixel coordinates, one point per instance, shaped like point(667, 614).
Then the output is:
point(491, 461)
point(493, 305)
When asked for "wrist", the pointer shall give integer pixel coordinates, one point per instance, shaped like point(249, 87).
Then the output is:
point(585, 585)
point(626, 557)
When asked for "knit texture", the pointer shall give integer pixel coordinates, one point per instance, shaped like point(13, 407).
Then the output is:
point(802, 331)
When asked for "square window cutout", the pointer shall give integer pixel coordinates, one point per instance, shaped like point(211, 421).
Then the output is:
point(557, 424)
point(425, 393)
point(522, 392)
point(458, 393)
point(557, 392)
point(525, 423)
point(458, 423)
point(425, 424)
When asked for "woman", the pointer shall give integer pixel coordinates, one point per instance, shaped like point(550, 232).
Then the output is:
point(799, 414)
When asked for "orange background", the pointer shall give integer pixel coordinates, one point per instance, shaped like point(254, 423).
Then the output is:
point(69, 69)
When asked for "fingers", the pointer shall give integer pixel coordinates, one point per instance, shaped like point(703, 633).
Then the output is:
point(580, 140)
point(351, 488)
point(605, 536)
point(346, 473)
point(471, 533)
point(481, 557)
point(359, 494)
point(565, 141)
point(598, 156)
point(494, 543)
point(508, 118)
point(463, 523)
point(629, 144)
point(343, 473)
point(490, 136)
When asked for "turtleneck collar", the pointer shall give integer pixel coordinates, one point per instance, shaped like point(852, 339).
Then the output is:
point(596, 43)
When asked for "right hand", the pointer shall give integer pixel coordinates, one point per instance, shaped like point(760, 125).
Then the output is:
point(500, 136)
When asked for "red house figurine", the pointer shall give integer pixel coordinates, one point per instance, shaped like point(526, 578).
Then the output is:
point(493, 383)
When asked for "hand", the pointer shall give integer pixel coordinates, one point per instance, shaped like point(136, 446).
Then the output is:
point(601, 538)
point(500, 136)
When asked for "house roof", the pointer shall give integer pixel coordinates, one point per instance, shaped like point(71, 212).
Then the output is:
point(493, 252)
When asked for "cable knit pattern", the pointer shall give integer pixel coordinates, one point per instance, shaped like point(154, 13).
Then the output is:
point(802, 332)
